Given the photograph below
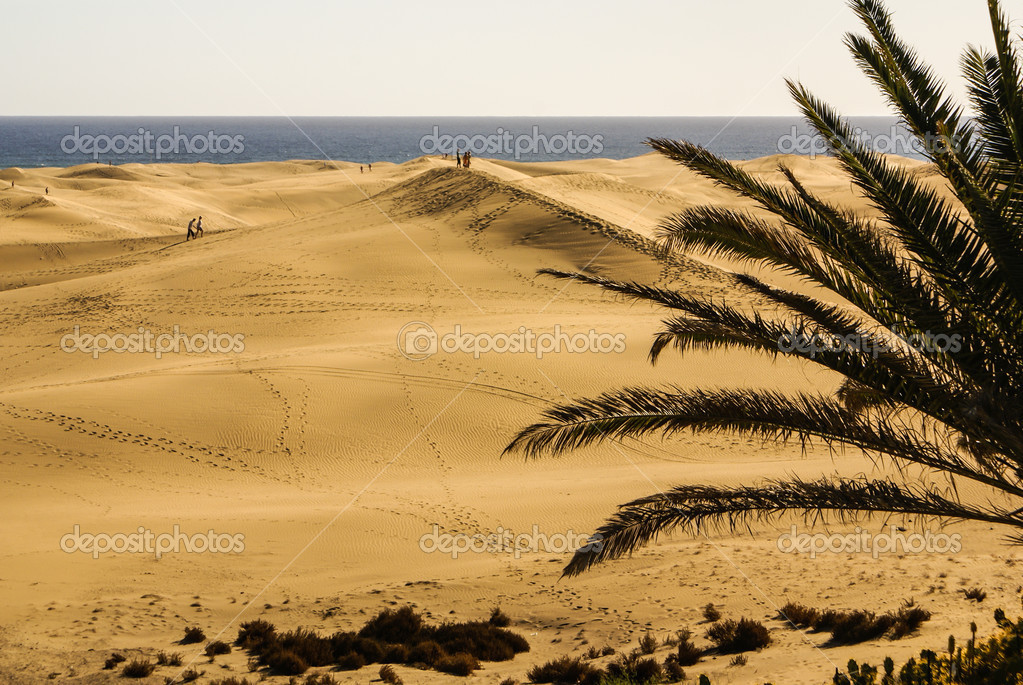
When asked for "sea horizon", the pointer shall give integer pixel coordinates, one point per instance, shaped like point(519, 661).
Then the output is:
point(65, 141)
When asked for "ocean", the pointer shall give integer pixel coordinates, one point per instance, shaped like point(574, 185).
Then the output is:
point(67, 141)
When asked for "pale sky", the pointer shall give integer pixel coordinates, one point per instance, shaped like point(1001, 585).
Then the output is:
point(453, 57)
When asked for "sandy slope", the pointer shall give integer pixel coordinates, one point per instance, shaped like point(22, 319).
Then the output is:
point(333, 454)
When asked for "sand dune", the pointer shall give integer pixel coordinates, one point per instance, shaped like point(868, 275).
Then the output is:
point(333, 453)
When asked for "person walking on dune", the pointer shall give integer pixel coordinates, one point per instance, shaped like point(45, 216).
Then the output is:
point(198, 228)
point(191, 233)
point(468, 157)
point(458, 159)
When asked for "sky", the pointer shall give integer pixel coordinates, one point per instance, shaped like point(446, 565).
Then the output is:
point(453, 57)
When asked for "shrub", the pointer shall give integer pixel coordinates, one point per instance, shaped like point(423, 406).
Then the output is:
point(394, 625)
point(395, 654)
point(744, 635)
point(458, 664)
point(509, 681)
point(648, 644)
point(688, 654)
point(426, 652)
point(230, 681)
point(482, 640)
point(193, 635)
point(738, 660)
point(255, 634)
point(112, 662)
point(191, 675)
point(392, 636)
point(352, 661)
point(390, 676)
point(322, 679)
point(217, 647)
point(372, 651)
point(564, 670)
point(850, 627)
point(499, 618)
point(799, 615)
point(711, 613)
point(673, 671)
point(312, 649)
point(629, 668)
point(285, 662)
point(137, 668)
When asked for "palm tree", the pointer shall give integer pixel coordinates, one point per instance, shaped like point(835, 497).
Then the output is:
point(928, 336)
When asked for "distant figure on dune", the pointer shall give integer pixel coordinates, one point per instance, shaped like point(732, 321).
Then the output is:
point(360, 168)
point(458, 159)
point(47, 190)
point(198, 228)
point(370, 167)
point(191, 233)
point(468, 157)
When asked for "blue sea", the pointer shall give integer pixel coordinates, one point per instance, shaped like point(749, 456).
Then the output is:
point(67, 141)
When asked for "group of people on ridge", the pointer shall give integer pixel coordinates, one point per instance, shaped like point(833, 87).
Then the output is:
point(463, 160)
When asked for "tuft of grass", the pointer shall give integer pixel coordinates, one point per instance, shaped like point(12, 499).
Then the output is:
point(977, 594)
point(745, 635)
point(165, 659)
point(499, 618)
point(648, 644)
point(191, 675)
point(390, 676)
point(738, 660)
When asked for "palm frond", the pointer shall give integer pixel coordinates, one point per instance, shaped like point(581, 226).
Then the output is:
point(698, 509)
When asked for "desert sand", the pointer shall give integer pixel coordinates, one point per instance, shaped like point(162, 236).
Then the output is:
point(333, 453)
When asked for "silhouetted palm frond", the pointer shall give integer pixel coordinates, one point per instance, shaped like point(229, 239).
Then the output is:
point(931, 269)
